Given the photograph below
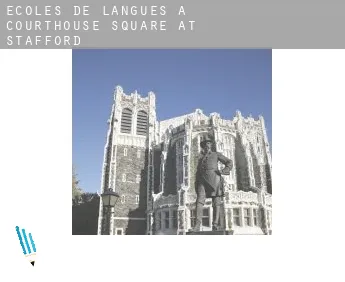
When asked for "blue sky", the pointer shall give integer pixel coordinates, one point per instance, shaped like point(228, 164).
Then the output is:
point(183, 80)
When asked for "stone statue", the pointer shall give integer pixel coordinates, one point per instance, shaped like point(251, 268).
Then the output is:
point(209, 182)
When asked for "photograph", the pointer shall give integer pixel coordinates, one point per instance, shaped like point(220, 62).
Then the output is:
point(172, 142)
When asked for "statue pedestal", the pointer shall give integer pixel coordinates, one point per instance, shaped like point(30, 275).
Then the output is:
point(223, 232)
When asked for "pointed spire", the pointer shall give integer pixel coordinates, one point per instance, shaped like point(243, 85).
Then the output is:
point(118, 91)
point(152, 99)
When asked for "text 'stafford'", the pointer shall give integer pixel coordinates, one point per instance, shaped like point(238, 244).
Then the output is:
point(38, 40)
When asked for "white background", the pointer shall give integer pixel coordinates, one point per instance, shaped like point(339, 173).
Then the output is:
point(308, 152)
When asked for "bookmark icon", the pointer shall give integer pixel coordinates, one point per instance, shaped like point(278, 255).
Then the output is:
point(28, 245)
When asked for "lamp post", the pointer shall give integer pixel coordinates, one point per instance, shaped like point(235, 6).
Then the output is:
point(109, 199)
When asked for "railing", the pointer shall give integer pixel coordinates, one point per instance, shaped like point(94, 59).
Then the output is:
point(232, 197)
point(227, 123)
point(165, 201)
point(241, 196)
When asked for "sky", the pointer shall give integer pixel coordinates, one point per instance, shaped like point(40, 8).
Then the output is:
point(219, 80)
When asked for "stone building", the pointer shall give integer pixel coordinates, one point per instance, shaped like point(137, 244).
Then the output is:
point(152, 165)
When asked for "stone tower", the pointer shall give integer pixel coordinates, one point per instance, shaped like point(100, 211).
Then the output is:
point(126, 166)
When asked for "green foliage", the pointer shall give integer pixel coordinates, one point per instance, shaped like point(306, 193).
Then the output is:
point(85, 207)
point(76, 190)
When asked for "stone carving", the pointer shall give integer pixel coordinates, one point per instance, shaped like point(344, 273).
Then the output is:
point(227, 197)
point(181, 219)
point(198, 112)
point(158, 221)
point(242, 196)
point(268, 200)
point(191, 198)
point(226, 123)
point(188, 123)
point(132, 140)
point(152, 118)
point(215, 117)
point(135, 97)
point(181, 197)
point(152, 99)
point(263, 177)
point(239, 124)
point(220, 146)
point(119, 89)
point(112, 175)
point(230, 223)
point(175, 122)
point(127, 104)
point(118, 92)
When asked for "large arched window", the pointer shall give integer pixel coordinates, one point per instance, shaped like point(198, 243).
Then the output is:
point(142, 121)
point(126, 120)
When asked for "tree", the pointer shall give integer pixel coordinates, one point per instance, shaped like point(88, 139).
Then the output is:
point(76, 190)
point(85, 207)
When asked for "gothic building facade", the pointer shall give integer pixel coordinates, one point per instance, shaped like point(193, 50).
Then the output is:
point(151, 164)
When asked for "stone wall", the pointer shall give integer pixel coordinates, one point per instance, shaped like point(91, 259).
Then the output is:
point(241, 166)
point(268, 179)
point(170, 171)
point(134, 167)
point(131, 226)
point(256, 168)
point(194, 158)
point(157, 168)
